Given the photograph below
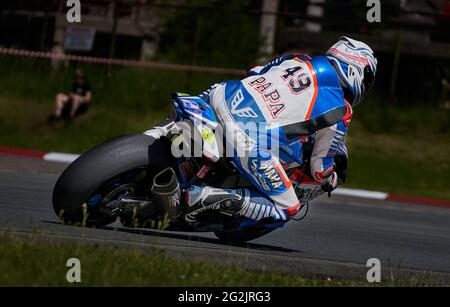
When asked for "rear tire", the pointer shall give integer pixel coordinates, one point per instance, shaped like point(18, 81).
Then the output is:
point(100, 164)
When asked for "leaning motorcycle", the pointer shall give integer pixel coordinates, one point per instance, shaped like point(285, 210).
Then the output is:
point(113, 180)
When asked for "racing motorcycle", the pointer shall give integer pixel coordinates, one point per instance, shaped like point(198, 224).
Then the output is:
point(113, 180)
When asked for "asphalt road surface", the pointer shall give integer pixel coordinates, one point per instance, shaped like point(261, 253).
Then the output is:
point(336, 239)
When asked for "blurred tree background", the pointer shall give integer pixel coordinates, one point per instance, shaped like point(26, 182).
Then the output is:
point(210, 36)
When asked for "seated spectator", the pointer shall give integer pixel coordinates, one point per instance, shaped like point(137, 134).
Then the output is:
point(76, 102)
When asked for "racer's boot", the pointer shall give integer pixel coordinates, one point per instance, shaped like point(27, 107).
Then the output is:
point(202, 198)
point(239, 202)
point(160, 129)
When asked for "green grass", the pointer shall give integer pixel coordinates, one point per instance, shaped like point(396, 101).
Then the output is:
point(401, 149)
point(130, 100)
point(28, 128)
point(399, 165)
point(122, 89)
point(35, 262)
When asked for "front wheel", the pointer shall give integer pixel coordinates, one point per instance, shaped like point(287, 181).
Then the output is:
point(117, 168)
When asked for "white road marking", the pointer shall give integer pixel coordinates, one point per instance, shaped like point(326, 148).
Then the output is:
point(60, 157)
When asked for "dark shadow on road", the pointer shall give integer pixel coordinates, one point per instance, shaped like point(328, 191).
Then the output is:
point(182, 236)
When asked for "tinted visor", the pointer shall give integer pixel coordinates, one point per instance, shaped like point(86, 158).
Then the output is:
point(369, 77)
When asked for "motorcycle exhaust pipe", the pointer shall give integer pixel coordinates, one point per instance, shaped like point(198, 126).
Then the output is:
point(167, 193)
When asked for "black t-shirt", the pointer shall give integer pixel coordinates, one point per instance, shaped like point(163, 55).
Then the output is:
point(81, 89)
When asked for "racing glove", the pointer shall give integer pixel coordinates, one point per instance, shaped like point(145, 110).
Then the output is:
point(330, 183)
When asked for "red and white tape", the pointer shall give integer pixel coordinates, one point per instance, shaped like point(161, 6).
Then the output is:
point(69, 158)
point(119, 62)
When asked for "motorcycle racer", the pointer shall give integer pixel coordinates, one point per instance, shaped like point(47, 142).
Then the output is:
point(310, 100)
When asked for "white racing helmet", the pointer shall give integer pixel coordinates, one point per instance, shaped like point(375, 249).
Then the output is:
point(356, 65)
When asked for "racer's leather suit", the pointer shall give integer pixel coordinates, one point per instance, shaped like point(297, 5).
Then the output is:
point(268, 117)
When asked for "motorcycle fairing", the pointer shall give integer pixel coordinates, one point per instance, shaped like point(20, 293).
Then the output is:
point(204, 120)
point(194, 108)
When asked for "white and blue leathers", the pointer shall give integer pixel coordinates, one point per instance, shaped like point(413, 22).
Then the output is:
point(291, 98)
